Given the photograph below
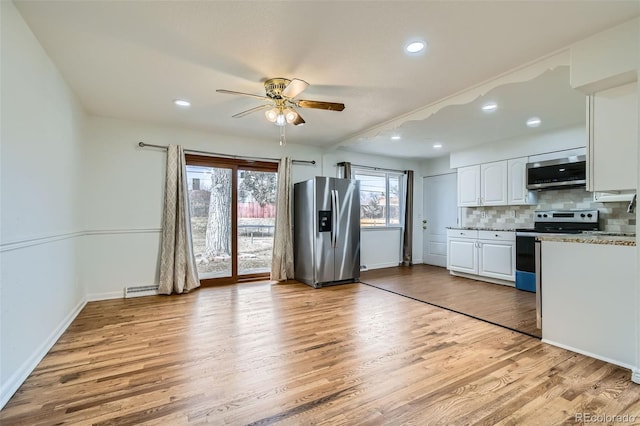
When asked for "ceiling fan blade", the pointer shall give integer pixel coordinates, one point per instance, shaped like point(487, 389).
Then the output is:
point(252, 110)
point(231, 92)
point(298, 121)
point(331, 106)
point(294, 88)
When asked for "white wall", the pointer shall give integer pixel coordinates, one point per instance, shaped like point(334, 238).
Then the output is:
point(607, 59)
point(436, 166)
point(42, 132)
point(554, 140)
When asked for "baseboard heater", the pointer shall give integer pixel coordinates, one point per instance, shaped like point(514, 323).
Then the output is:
point(139, 291)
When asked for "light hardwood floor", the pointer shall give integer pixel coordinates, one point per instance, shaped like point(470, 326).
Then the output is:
point(264, 353)
point(495, 303)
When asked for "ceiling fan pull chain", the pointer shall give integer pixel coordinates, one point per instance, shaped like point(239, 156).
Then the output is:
point(283, 138)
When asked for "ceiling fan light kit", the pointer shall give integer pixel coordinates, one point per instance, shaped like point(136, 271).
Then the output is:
point(280, 116)
point(280, 92)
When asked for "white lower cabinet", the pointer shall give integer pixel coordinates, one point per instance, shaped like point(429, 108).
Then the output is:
point(463, 255)
point(497, 259)
point(487, 255)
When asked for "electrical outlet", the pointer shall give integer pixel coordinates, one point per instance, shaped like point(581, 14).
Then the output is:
point(483, 214)
point(512, 213)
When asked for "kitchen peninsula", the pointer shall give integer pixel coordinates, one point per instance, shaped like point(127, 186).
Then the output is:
point(588, 295)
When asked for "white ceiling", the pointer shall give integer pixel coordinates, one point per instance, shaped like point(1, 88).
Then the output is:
point(130, 59)
point(456, 127)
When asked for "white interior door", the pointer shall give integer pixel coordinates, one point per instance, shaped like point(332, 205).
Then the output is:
point(440, 210)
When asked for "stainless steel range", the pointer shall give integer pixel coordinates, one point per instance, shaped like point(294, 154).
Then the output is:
point(545, 222)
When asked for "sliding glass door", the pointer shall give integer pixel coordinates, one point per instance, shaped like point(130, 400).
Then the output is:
point(232, 217)
point(256, 220)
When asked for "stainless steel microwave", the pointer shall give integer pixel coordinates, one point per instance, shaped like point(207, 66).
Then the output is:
point(566, 172)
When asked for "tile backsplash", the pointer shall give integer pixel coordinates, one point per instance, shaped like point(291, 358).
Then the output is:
point(613, 216)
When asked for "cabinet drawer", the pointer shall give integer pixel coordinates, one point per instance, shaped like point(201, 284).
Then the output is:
point(497, 235)
point(462, 233)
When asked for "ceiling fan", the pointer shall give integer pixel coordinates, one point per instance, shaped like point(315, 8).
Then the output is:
point(281, 94)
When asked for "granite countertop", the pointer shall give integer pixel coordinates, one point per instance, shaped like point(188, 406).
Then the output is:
point(590, 237)
point(612, 238)
point(476, 228)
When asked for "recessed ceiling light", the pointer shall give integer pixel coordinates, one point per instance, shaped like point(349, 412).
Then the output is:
point(182, 103)
point(415, 46)
point(395, 137)
point(437, 145)
point(490, 107)
point(534, 122)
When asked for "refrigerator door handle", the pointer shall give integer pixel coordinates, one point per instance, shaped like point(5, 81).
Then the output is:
point(336, 213)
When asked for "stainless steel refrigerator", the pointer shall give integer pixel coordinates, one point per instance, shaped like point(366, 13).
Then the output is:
point(326, 231)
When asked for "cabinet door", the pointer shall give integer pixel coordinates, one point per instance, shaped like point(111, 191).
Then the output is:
point(463, 256)
point(469, 186)
point(517, 192)
point(613, 139)
point(497, 259)
point(493, 181)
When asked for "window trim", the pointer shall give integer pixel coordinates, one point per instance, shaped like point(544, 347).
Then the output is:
point(387, 174)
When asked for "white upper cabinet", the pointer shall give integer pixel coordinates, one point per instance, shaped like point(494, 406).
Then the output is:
point(613, 139)
point(483, 185)
point(517, 192)
point(493, 184)
point(469, 186)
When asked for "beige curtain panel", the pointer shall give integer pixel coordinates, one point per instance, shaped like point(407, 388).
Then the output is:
point(407, 241)
point(177, 263)
point(282, 260)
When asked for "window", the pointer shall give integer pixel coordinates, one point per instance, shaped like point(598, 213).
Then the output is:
point(381, 198)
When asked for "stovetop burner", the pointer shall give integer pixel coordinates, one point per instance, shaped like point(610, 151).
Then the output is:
point(564, 221)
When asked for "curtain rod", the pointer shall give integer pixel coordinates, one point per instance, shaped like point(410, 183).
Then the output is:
point(242, 157)
point(380, 169)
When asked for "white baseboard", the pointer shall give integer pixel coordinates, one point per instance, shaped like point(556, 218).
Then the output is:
point(635, 371)
point(381, 265)
point(483, 278)
point(14, 382)
point(95, 297)
point(635, 376)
